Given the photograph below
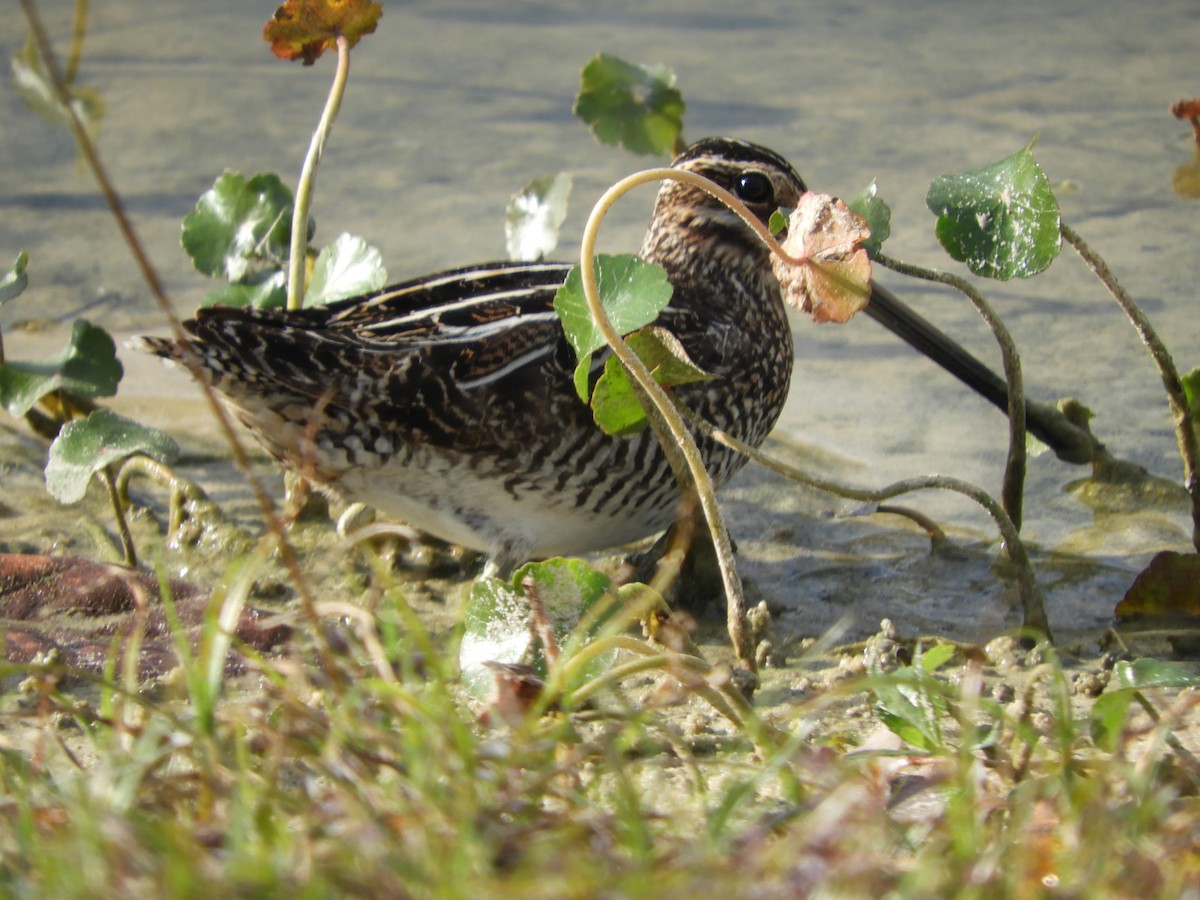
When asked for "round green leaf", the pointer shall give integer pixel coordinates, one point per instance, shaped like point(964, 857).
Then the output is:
point(637, 107)
point(616, 407)
point(1001, 220)
point(237, 223)
point(496, 621)
point(346, 268)
point(85, 446)
point(267, 290)
point(878, 214)
point(88, 367)
point(1142, 674)
point(534, 216)
point(632, 291)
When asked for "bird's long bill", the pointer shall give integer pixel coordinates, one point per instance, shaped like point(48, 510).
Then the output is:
point(1046, 423)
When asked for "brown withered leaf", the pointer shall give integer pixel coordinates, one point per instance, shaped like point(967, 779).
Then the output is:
point(1169, 586)
point(829, 275)
point(304, 29)
point(76, 607)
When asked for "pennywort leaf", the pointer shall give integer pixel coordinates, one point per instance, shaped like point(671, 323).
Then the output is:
point(240, 225)
point(88, 367)
point(1001, 220)
point(633, 293)
point(345, 268)
point(877, 214)
point(534, 216)
point(305, 29)
point(497, 618)
point(85, 446)
point(616, 407)
point(635, 106)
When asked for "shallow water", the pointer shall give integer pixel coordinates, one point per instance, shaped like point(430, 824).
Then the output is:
point(453, 106)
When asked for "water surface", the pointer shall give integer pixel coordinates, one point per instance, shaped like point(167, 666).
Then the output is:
point(454, 105)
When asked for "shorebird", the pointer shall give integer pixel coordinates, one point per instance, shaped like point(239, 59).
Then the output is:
point(447, 401)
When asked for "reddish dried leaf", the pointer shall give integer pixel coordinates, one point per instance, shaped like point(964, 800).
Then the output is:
point(1170, 585)
point(1187, 108)
point(76, 606)
point(516, 689)
point(829, 276)
point(304, 29)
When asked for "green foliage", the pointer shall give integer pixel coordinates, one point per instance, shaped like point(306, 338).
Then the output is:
point(345, 268)
point(241, 230)
point(1191, 390)
point(633, 293)
point(534, 216)
point(1111, 710)
point(912, 705)
point(615, 404)
point(15, 279)
point(240, 227)
point(85, 446)
point(878, 214)
point(1144, 674)
point(88, 367)
point(498, 614)
point(37, 91)
point(1001, 220)
point(637, 107)
point(264, 290)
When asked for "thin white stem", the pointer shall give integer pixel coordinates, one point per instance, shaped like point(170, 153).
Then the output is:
point(668, 424)
point(308, 177)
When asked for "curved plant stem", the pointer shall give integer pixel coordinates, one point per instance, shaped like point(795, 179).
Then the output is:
point(726, 699)
point(127, 547)
point(179, 489)
point(1185, 430)
point(1013, 488)
point(308, 177)
point(671, 430)
point(1032, 602)
point(158, 291)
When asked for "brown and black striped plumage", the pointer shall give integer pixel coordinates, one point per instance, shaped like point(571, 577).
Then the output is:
point(448, 401)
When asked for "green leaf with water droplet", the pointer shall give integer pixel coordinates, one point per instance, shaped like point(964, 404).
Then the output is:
point(346, 268)
point(1142, 674)
point(534, 216)
point(88, 367)
point(85, 446)
point(632, 291)
point(1001, 220)
point(878, 214)
point(239, 226)
point(635, 106)
point(496, 620)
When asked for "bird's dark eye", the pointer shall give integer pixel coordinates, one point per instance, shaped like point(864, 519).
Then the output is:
point(754, 187)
